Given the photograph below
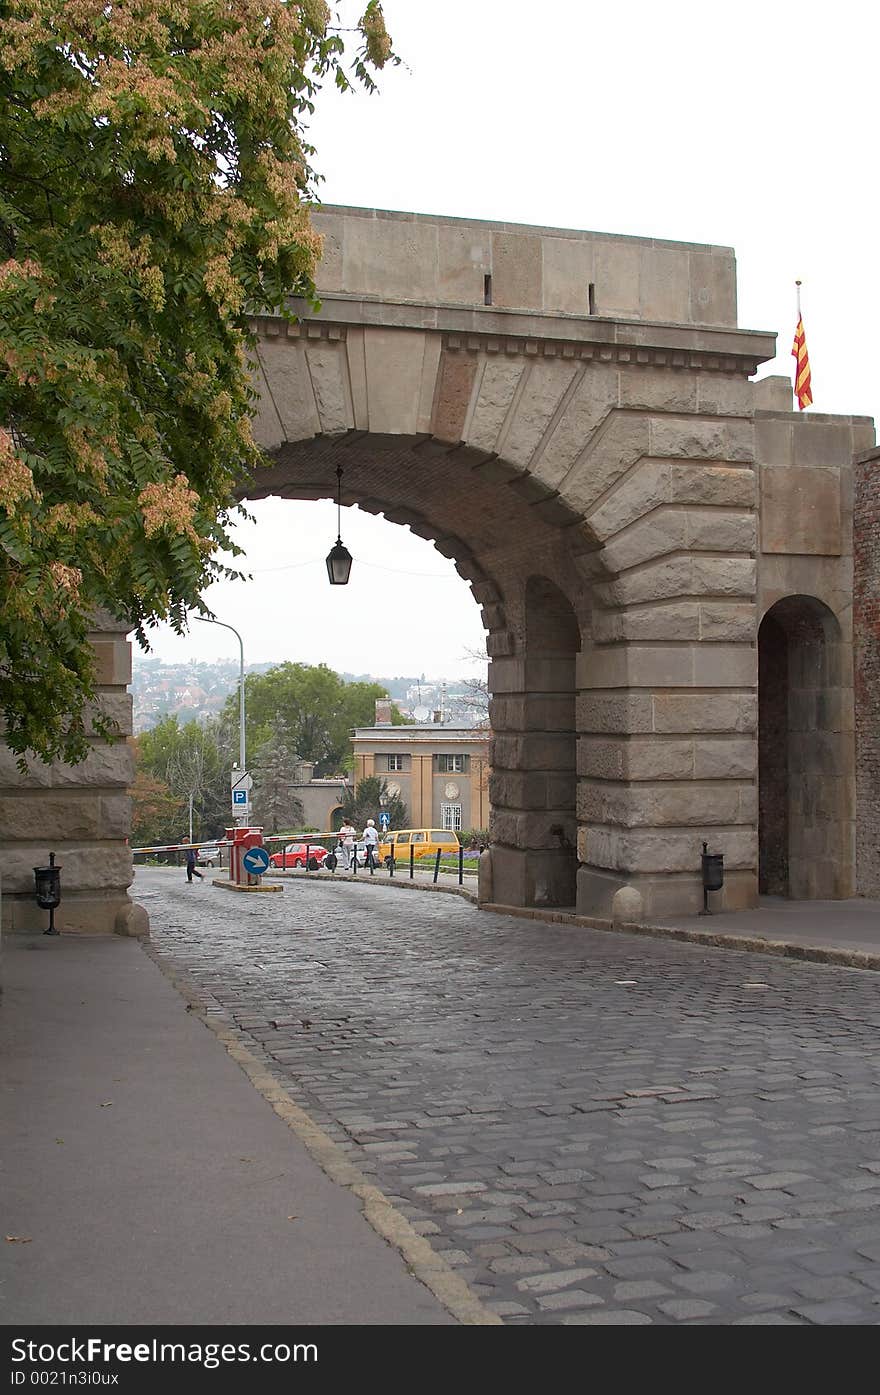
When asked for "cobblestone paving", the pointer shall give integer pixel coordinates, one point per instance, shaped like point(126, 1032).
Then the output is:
point(592, 1128)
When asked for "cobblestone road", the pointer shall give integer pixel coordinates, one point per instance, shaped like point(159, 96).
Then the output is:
point(592, 1128)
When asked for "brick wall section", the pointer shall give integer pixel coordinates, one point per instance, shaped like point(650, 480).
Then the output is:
point(866, 625)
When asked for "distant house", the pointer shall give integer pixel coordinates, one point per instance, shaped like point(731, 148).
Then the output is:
point(440, 772)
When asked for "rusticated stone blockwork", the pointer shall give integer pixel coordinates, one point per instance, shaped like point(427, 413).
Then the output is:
point(82, 813)
point(572, 418)
point(866, 622)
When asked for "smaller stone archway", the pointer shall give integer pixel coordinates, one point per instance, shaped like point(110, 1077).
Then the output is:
point(805, 800)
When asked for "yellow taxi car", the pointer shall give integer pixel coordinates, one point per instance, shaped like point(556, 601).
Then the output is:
point(424, 842)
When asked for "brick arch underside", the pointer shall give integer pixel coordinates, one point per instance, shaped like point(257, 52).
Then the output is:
point(496, 529)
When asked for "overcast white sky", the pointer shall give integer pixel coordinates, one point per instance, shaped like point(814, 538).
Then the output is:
point(752, 126)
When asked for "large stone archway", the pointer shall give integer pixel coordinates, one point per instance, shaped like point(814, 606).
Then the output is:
point(609, 456)
point(569, 417)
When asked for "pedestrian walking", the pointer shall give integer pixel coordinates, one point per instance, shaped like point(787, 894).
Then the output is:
point(191, 868)
point(371, 845)
point(347, 835)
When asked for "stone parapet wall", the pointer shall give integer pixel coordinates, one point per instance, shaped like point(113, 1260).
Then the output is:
point(409, 256)
point(866, 614)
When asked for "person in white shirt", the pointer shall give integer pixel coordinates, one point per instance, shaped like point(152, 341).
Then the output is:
point(371, 844)
point(347, 836)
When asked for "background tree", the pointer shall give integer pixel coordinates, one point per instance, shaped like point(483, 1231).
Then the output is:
point(476, 692)
point(156, 812)
point(366, 801)
point(276, 807)
point(154, 192)
point(192, 761)
point(318, 710)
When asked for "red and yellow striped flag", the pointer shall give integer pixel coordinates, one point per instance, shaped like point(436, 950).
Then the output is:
point(802, 387)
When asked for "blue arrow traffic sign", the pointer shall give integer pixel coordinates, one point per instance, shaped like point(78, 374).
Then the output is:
point(255, 861)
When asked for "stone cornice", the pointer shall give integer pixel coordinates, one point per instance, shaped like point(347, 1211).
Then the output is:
point(494, 330)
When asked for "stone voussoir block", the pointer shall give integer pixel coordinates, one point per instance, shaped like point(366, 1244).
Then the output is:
point(646, 487)
point(721, 530)
point(703, 438)
point(723, 485)
point(663, 531)
point(724, 621)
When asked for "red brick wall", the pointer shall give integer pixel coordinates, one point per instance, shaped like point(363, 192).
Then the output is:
point(866, 632)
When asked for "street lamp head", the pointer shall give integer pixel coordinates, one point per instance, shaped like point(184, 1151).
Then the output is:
point(339, 557)
point(339, 564)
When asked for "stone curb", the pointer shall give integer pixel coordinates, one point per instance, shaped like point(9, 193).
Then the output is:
point(425, 1263)
point(751, 944)
point(365, 879)
point(235, 886)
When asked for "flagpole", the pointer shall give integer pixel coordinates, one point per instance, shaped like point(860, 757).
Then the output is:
point(798, 284)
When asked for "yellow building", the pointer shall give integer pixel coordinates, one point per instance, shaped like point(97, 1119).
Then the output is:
point(441, 773)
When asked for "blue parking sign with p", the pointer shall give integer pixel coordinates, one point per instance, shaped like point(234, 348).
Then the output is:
point(239, 797)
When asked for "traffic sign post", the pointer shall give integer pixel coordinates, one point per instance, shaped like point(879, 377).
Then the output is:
point(241, 784)
point(384, 820)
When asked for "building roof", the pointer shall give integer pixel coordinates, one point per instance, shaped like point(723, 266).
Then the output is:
point(423, 732)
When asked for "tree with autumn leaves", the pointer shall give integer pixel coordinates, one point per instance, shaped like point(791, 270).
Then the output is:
point(155, 185)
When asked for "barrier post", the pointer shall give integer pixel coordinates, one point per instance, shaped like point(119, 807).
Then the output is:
point(460, 864)
point(308, 869)
point(437, 865)
point(412, 854)
point(390, 860)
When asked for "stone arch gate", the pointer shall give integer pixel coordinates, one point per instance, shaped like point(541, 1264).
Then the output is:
point(570, 418)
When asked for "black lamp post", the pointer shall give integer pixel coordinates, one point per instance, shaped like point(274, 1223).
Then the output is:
point(47, 889)
point(339, 557)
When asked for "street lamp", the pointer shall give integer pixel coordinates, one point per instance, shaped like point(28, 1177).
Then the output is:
point(241, 743)
point(339, 557)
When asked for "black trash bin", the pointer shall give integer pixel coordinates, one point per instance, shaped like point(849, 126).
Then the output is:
point(713, 875)
point(47, 891)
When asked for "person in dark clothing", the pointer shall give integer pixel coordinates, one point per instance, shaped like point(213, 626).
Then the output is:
point(191, 868)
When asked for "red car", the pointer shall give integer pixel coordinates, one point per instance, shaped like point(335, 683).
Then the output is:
point(294, 855)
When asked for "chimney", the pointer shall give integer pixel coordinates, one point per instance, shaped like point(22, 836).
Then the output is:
point(383, 712)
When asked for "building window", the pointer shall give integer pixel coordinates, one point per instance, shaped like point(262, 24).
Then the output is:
point(450, 817)
point(453, 765)
point(394, 762)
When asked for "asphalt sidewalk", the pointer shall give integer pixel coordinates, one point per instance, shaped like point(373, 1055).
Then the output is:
point(145, 1179)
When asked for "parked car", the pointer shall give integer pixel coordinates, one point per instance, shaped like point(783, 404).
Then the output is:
point(294, 855)
point(425, 842)
point(209, 856)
